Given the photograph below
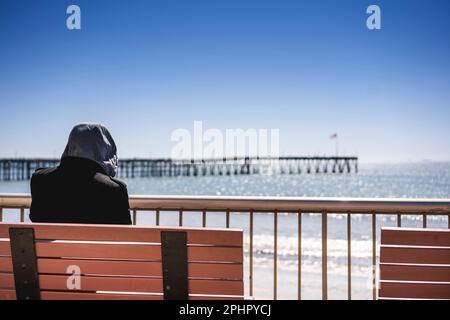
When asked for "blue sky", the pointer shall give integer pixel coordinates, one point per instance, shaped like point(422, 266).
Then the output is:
point(308, 68)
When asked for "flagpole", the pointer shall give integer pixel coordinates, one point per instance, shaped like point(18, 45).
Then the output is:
point(337, 145)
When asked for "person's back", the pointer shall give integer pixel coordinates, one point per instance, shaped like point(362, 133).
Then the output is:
point(82, 188)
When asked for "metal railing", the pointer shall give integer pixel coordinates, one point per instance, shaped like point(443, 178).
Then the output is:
point(277, 205)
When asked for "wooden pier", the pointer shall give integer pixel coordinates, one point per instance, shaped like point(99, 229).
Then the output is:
point(22, 169)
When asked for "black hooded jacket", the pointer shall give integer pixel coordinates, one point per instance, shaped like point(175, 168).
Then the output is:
point(79, 190)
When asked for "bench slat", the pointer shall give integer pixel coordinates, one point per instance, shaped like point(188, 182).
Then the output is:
point(84, 250)
point(123, 284)
point(49, 295)
point(415, 272)
point(55, 295)
point(126, 251)
point(88, 232)
point(5, 249)
point(215, 254)
point(131, 268)
point(233, 271)
point(7, 294)
point(425, 290)
point(7, 280)
point(422, 237)
point(414, 255)
point(52, 295)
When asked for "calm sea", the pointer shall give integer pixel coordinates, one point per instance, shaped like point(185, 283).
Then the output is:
point(412, 180)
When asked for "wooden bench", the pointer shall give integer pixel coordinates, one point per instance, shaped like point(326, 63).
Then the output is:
point(72, 261)
point(414, 264)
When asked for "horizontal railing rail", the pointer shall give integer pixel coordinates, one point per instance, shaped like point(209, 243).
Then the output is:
point(268, 204)
point(275, 206)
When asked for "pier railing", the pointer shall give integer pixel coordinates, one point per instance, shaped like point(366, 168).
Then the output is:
point(275, 206)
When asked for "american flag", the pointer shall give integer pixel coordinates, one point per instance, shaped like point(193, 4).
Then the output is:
point(333, 136)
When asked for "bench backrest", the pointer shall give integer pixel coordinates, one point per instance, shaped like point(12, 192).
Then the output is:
point(119, 262)
point(414, 263)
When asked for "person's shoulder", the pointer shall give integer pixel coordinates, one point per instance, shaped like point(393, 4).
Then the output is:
point(43, 172)
point(121, 183)
point(111, 182)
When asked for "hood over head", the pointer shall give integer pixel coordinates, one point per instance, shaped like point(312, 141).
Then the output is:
point(93, 142)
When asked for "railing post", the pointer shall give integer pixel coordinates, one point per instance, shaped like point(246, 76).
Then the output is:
point(374, 256)
point(22, 214)
point(180, 218)
point(275, 255)
point(134, 216)
point(157, 217)
point(1, 214)
point(324, 256)
point(299, 256)
point(251, 255)
point(349, 256)
point(204, 218)
point(228, 219)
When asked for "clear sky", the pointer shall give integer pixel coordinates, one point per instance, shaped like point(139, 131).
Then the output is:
point(308, 68)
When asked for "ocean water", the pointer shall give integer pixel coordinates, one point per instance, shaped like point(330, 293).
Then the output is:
point(412, 180)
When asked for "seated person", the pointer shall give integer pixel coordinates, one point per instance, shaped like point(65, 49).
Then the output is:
point(82, 189)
